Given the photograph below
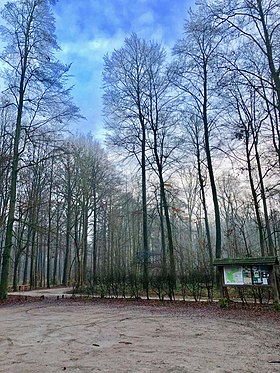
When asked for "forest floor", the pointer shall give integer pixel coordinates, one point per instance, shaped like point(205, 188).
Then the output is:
point(53, 335)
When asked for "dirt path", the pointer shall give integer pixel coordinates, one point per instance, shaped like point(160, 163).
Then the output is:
point(77, 337)
point(53, 292)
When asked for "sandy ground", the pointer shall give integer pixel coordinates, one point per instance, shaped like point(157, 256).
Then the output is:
point(56, 336)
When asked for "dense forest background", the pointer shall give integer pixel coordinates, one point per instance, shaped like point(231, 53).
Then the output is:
point(190, 171)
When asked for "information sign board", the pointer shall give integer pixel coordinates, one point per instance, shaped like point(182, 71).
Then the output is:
point(233, 275)
point(246, 275)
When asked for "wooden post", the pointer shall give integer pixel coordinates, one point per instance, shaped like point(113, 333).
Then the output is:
point(221, 281)
point(275, 286)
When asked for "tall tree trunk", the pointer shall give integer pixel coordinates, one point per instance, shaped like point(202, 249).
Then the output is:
point(84, 241)
point(33, 261)
point(204, 205)
point(55, 263)
point(49, 227)
point(271, 250)
point(94, 244)
point(163, 244)
point(269, 54)
point(254, 195)
point(66, 267)
point(172, 266)
point(26, 263)
point(14, 170)
point(15, 275)
point(210, 167)
point(145, 214)
point(13, 192)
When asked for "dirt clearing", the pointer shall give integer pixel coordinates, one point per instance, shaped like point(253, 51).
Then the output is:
point(64, 336)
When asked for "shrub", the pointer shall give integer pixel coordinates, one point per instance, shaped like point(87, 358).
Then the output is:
point(224, 302)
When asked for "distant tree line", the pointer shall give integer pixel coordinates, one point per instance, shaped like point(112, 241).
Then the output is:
point(191, 172)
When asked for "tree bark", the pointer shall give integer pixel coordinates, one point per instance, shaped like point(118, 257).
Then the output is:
point(210, 166)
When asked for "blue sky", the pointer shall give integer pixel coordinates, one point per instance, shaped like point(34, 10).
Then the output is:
point(88, 29)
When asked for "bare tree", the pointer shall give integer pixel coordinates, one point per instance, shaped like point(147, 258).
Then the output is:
point(126, 102)
point(194, 73)
point(35, 88)
point(255, 27)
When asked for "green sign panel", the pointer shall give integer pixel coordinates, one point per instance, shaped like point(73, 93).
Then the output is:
point(249, 275)
point(233, 275)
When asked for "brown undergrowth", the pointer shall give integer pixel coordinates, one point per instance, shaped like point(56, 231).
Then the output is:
point(199, 309)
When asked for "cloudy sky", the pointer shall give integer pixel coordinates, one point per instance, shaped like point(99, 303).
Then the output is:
point(88, 29)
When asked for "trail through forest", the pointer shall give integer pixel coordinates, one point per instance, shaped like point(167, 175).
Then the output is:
point(128, 336)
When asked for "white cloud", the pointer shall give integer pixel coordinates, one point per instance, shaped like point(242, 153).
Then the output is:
point(88, 29)
point(146, 19)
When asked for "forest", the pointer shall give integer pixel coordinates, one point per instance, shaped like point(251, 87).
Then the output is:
point(188, 172)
